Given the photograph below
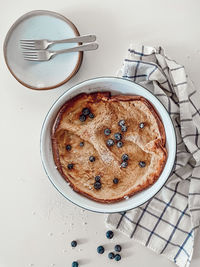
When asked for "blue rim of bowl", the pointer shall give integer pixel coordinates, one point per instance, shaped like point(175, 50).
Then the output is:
point(172, 168)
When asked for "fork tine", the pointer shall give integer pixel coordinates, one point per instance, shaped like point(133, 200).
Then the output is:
point(28, 52)
point(27, 59)
point(36, 58)
point(31, 47)
point(27, 41)
point(34, 52)
point(31, 58)
point(29, 55)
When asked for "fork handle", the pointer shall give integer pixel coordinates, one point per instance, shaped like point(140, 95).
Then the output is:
point(87, 47)
point(82, 39)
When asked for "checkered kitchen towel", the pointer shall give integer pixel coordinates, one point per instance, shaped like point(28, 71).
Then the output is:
point(168, 223)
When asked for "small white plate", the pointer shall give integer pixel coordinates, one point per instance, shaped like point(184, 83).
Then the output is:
point(41, 24)
point(115, 86)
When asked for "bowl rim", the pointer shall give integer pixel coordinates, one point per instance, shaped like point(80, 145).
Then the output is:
point(51, 180)
point(35, 13)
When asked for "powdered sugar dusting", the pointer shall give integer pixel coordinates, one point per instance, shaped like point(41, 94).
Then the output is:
point(136, 139)
point(106, 157)
point(87, 185)
point(132, 138)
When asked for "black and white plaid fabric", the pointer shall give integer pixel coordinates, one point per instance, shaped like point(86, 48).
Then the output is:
point(167, 223)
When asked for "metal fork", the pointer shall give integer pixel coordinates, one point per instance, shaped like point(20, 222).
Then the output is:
point(44, 44)
point(44, 55)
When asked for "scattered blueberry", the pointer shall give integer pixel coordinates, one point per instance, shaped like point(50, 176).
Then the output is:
point(123, 128)
point(118, 136)
point(115, 180)
point(119, 144)
point(110, 142)
point(82, 118)
point(91, 158)
point(73, 243)
point(141, 125)
point(91, 115)
point(100, 249)
point(125, 157)
point(68, 147)
point(70, 166)
point(124, 164)
point(97, 178)
point(118, 248)
point(111, 255)
point(81, 144)
point(97, 185)
point(86, 111)
point(107, 131)
point(142, 164)
point(117, 257)
point(109, 234)
point(121, 122)
point(74, 264)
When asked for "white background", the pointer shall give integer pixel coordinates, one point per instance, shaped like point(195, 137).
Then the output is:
point(37, 224)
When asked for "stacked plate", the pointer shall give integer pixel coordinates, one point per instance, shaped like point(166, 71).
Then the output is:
point(42, 24)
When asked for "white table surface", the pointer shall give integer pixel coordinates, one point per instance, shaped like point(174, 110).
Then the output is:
point(37, 224)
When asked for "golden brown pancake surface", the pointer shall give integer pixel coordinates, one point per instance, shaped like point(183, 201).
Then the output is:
point(143, 143)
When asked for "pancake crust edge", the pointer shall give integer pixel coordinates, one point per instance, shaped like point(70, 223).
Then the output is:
point(140, 144)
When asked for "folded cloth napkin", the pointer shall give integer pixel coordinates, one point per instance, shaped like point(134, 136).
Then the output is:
point(168, 223)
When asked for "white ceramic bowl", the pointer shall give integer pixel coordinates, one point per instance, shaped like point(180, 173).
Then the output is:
point(115, 86)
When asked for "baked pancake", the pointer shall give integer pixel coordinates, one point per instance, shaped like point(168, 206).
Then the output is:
point(108, 147)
